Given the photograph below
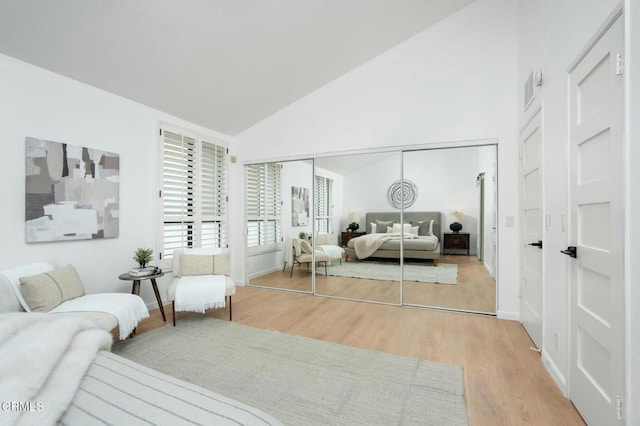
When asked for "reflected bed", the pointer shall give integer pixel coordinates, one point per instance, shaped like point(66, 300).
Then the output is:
point(424, 247)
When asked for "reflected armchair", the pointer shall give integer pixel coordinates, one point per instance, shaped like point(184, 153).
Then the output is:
point(302, 252)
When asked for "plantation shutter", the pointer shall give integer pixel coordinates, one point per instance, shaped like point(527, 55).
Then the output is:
point(178, 169)
point(320, 203)
point(264, 205)
point(213, 192)
point(194, 192)
point(323, 204)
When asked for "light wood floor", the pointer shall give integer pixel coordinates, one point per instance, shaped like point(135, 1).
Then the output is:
point(475, 291)
point(505, 382)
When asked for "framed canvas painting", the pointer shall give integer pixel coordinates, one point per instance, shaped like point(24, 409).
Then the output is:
point(72, 192)
point(299, 206)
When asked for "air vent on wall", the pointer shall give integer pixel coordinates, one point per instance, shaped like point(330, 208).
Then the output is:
point(533, 80)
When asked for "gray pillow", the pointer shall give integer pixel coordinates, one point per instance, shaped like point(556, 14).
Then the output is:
point(426, 228)
point(196, 264)
point(41, 292)
point(44, 292)
point(381, 227)
point(221, 264)
point(69, 282)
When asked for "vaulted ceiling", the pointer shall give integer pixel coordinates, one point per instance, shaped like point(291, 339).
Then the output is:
point(222, 64)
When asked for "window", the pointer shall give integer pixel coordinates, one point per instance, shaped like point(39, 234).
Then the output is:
point(194, 192)
point(324, 204)
point(264, 207)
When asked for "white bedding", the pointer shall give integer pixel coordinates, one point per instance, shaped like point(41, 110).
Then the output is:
point(366, 245)
point(420, 243)
point(58, 369)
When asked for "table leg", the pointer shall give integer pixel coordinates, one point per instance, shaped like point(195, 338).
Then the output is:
point(158, 298)
point(135, 289)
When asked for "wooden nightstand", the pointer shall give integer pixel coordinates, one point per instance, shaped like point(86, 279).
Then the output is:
point(346, 236)
point(455, 241)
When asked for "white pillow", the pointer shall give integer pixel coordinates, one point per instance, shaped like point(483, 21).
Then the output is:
point(374, 227)
point(414, 230)
point(398, 228)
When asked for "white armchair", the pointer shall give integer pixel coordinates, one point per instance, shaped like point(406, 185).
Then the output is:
point(201, 281)
point(303, 253)
point(324, 242)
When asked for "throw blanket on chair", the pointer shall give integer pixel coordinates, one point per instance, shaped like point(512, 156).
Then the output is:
point(43, 361)
point(200, 292)
point(366, 245)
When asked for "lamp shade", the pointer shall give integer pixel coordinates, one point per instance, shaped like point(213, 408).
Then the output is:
point(457, 216)
point(354, 217)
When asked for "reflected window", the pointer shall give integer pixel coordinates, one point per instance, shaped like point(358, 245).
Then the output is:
point(264, 206)
point(324, 204)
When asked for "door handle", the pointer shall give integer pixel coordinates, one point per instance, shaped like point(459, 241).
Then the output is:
point(538, 244)
point(571, 251)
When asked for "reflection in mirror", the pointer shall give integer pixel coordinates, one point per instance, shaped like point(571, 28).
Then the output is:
point(458, 185)
point(349, 189)
point(279, 228)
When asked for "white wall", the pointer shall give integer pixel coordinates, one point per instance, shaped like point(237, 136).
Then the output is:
point(42, 104)
point(454, 81)
point(551, 35)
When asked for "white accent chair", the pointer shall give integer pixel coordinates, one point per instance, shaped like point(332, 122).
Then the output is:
point(302, 253)
point(324, 242)
point(221, 267)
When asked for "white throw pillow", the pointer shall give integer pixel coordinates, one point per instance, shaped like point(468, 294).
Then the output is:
point(374, 227)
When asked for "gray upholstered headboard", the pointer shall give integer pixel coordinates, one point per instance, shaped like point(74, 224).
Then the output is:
point(409, 217)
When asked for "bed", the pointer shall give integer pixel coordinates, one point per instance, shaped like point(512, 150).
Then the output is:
point(58, 370)
point(422, 246)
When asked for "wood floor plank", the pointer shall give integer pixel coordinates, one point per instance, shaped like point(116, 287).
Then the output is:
point(505, 381)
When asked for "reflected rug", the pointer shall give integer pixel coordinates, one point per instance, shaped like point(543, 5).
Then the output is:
point(444, 273)
point(303, 381)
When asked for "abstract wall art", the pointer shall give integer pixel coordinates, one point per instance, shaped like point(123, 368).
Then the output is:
point(72, 192)
point(299, 206)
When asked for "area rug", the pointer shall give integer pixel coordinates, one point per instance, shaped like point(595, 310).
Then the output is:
point(444, 273)
point(303, 381)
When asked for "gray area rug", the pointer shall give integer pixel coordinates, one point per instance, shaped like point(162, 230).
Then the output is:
point(444, 273)
point(303, 381)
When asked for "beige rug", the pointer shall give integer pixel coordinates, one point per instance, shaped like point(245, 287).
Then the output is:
point(444, 273)
point(303, 381)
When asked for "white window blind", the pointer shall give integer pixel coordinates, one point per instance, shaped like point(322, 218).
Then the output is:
point(324, 204)
point(194, 192)
point(264, 206)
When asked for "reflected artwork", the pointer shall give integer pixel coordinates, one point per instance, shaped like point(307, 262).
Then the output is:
point(72, 192)
point(299, 206)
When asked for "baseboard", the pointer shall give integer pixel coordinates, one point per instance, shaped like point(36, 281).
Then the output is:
point(488, 268)
point(266, 271)
point(555, 373)
point(505, 315)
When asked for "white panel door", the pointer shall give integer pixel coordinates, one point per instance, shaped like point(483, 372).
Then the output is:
point(531, 228)
point(597, 372)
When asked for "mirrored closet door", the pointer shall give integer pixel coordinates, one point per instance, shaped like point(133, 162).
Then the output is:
point(408, 227)
point(351, 213)
point(450, 202)
point(279, 224)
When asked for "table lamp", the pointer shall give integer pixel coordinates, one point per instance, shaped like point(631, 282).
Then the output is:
point(456, 226)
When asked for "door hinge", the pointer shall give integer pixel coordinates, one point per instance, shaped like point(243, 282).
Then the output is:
point(160, 194)
point(619, 64)
point(619, 408)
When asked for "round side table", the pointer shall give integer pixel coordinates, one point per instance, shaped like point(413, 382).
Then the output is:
point(135, 289)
